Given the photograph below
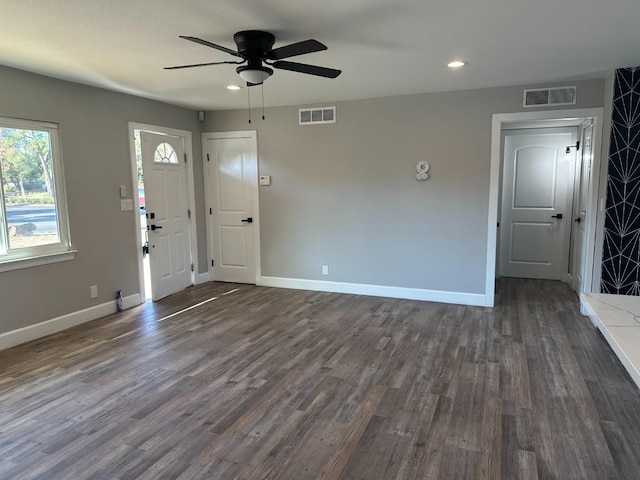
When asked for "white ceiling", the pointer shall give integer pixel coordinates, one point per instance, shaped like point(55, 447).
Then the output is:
point(384, 47)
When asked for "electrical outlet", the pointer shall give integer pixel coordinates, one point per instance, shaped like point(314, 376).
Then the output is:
point(94, 291)
point(325, 269)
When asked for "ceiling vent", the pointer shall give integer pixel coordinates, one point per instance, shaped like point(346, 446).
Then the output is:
point(314, 116)
point(542, 97)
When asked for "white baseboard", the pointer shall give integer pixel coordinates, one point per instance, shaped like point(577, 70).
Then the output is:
point(202, 278)
point(459, 298)
point(55, 325)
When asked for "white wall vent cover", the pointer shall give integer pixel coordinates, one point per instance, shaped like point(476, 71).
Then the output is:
point(314, 116)
point(541, 97)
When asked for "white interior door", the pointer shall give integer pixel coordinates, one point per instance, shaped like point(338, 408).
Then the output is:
point(163, 163)
point(536, 203)
point(232, 192)
point(580, 206)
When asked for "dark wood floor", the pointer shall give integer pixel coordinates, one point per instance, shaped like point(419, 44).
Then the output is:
point(281, 384)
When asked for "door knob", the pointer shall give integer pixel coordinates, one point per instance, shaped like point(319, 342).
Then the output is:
point(558, 216)
point(248, 220)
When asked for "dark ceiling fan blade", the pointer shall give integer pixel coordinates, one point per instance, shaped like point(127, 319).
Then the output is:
point(300, 48)
point(209, 44)
point(310, 69)
point(201, 65)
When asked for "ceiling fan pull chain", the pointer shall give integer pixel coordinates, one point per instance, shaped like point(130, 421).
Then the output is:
point(249, 101)
point(262, 85)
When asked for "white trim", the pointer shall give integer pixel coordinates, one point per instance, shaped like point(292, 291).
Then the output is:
point(253, 136)
point(19, 263)
point(25, 123)
point(191, 201)
point(202, 278)
point(498, 123)
point(55, 325)
point(492, 228)
point(460, 298)
point(592, 265)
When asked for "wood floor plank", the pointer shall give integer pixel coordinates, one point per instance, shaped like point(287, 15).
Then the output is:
point(264, 383)
point(333, 468)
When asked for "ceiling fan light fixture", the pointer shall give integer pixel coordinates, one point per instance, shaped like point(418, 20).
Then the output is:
point(457, 64)
point(254, 74)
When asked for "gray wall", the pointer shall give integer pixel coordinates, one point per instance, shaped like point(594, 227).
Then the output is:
point(345, 194)
point(95, 145)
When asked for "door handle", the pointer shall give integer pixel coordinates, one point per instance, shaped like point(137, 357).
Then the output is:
point(155, 227)
point(558, 216)
point(578, 220)
point(248, 220)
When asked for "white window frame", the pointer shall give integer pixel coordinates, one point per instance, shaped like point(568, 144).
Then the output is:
point(40, 254)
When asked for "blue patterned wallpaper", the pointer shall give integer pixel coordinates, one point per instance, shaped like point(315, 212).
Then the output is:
point(621, 253)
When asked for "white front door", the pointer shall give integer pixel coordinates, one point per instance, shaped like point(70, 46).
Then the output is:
point(536, 203)
point(163, 164)
point(580, 205)
point(232, 193)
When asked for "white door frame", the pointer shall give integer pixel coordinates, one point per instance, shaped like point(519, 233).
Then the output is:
point(540, 119)
point(191, 199)
point(577, 194)
point(252, 135)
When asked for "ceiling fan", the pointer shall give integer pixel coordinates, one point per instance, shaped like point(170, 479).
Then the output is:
point(254, 47)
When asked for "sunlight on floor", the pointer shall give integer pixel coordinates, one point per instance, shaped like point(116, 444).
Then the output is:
point(196, 305)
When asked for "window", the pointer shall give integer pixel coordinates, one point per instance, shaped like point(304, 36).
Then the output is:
point(34, 227)
point(165, 154)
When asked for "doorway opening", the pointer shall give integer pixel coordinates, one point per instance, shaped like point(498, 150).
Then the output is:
point(536, 197)
point(165, 236)
point(578, 263)
point(144, 237)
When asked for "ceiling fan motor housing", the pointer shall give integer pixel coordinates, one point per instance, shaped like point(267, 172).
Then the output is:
point(253, 43)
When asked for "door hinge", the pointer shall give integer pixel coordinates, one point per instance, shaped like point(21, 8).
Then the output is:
point(210, 211)
point(208, 159)
point(185, 157)
point(213, 263)
point(188, 213)
point(192, 267)
point(577, 145)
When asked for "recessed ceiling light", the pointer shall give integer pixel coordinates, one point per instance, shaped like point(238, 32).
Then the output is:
point(456, 64)
point(233, 87)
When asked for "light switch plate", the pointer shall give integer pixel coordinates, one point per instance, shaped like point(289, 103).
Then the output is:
point(126, 204)
point(265, 180)
point(123, 191)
